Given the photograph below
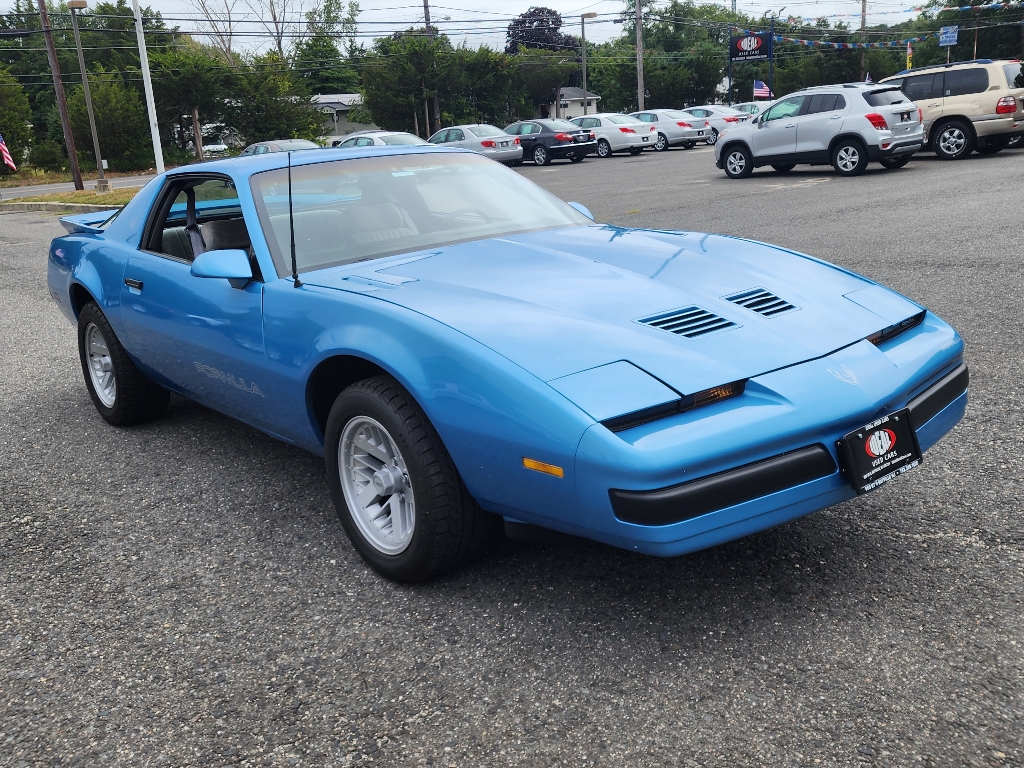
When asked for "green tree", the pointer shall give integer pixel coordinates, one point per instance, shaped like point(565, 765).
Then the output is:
point(192, 90)
point(321, 68)
point(544, 72)
point(265, 103)
point(15, 114)
point(120, 122)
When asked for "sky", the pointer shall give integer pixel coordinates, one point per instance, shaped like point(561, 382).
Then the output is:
point(480, 22)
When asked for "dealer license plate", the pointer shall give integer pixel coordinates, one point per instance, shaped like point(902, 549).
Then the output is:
point(880, 451)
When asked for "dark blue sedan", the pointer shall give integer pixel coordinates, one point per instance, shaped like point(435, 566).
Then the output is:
point(463, 347)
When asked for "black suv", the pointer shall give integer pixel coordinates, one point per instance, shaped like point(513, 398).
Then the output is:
point(547, 140)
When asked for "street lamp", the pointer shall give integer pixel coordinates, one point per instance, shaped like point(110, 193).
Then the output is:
point(583, 41)
point(102, 185)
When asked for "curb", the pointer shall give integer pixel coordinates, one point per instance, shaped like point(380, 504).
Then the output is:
point(55, 207)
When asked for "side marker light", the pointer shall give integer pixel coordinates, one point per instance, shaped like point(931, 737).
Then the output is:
point(540, 466)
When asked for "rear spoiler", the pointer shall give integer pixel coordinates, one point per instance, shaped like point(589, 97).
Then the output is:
point(86, 223)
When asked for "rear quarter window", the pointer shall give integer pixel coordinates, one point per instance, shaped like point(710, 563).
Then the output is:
point(961, 82)
point(1014, 75)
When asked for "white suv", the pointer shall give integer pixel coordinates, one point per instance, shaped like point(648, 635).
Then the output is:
point(846, 126)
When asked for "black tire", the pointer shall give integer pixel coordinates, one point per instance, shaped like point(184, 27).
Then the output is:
point(604, 149)
point(634, 151)
point(737, 162)
point(713, 138)
point(953, 140)
point(662, 143)
point(784, 167)
point(690, 145)
point(849, 157)
point(575, 159)
point(894, 163)
point(449, 527)
point(516, 163)
point(135, 398)
point(541, 156)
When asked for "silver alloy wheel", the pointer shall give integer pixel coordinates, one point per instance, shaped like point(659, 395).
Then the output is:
point(540, 155)
point(375, 481)
point(848, 158)
point(604, 149)
point(735, 162)
point(713, 138)
point(101, 367)
point(661, 143)
point(952, 140)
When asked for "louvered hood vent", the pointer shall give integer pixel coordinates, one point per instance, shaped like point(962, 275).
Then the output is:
point(761, 301)
point(689, 322)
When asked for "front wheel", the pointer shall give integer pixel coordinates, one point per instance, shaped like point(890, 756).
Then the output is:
point(893, 163)
point(713, 138)
point(661, 144)
point(604, 149)
point(953, 140)
point(738, 163)
point(122, 393)
point(395, 488)
point(849, 158)
point(541, 156)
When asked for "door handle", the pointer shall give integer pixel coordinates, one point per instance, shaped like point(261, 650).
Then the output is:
point(133, 283)
point(936, 104)
point(791, 125)
point(835, 117)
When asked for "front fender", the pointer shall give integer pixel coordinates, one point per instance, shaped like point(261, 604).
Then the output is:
point(489, 412)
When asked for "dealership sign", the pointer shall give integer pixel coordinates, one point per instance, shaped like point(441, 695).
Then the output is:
point(753, 46)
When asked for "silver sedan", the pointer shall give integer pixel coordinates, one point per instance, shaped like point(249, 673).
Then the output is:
point(486, 139)
point(675, 127)
point(721, 117)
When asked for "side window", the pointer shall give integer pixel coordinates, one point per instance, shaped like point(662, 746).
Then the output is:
point(438, 138)
point(513, 130)
point(364, 141)
point(530, 129)
point(961, 82)
point(455, 134)
point(840, 102)
point(262, 150)
point(822, 102)
point(348, 143)
point(589, 122)
point(246, 151)
point(646, 117)
point(1014, 75)
point(921, 87)
point(218, 216)
point(785, 108)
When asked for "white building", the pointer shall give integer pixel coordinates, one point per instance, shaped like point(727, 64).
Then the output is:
point(571, 104)
point(335, 107)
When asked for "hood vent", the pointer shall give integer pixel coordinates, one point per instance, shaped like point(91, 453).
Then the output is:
point(689, 322)
point(761, 301)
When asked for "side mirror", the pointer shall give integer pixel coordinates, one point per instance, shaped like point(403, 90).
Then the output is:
point(583, 209)
point(229, 264)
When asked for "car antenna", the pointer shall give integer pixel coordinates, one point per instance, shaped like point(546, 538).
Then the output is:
point(291, 223)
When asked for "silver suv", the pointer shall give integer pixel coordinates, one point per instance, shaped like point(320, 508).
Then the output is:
point(845, 125)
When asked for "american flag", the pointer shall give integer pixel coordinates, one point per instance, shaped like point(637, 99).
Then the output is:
point(5, 155)
point(761, 90)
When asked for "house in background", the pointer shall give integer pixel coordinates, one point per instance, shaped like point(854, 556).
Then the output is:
point(570, 104)
point(335, 107)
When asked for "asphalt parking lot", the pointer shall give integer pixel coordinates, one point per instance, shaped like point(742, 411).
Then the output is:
point(182, 594)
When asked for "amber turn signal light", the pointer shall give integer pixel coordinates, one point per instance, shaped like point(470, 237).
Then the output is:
point(540, 466)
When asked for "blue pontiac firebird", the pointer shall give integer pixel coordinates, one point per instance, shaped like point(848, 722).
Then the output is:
point(461, 346)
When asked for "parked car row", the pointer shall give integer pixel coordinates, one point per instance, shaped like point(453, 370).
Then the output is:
point(952, 109)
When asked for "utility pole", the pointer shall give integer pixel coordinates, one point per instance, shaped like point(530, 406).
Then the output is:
point(771, 61)
point(62, 104)
point(437, 99)
point(147, 83)
point(640, 54)
point(102, 185)
point(863, 30)
point(583, 41)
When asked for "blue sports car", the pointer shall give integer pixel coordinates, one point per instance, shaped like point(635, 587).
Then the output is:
point(463, 347)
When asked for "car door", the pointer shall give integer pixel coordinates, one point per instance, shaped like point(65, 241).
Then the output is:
point(202, 335)
point(457, 138)
point(926, 92)
point(529, 135)
point(775, 133)
point(820, 122)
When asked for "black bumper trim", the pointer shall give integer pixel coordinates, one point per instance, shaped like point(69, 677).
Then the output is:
point(725, 489)
point(938, 396)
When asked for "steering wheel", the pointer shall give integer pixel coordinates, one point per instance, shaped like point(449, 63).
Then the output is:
point(460, 211)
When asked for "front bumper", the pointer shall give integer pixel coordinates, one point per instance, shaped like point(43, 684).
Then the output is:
point(727, 470)
point(577, 149)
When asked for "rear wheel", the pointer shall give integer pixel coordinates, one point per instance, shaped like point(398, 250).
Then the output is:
point(713, 138)
point(396, 489)
point(604, 149)
point(953, 140)
point(892, 163)
point(122, 393)
point(661, 144)
point(849, 157)
point(541, 156)
point(738, 163)
point(784, 167)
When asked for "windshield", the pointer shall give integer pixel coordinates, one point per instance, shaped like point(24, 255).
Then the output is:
point(561, 125)
point(621, 119)
point(370, 207)
point(885, 98)
point(483, 131)
point(402, 139)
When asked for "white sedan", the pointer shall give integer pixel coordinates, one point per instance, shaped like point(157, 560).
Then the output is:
point(618, 133)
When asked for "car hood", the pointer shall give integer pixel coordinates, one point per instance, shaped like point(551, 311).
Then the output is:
point(561, 301)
